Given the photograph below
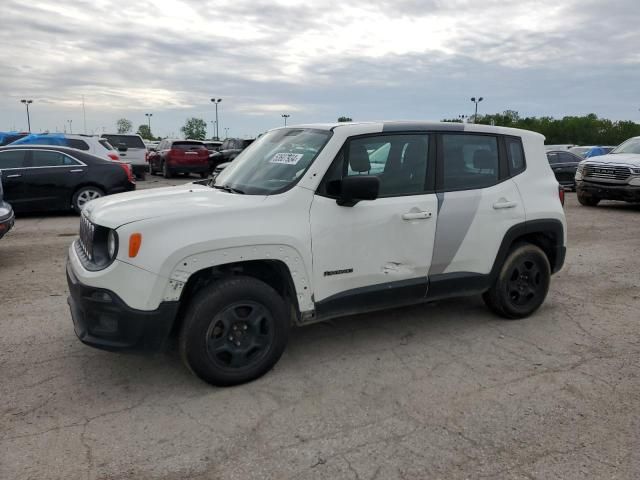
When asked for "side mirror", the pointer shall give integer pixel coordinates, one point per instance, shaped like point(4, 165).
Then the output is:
point(350, 190)
point(122, 147)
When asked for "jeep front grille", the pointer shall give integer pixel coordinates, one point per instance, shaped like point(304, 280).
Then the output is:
point(607, 172)
point(87, 231)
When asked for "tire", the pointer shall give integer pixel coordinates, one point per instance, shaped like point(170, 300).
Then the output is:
point(142, 175)
point(166, 172)
point(522, 284)
point(234, 331)
point(204, 174)
point(587, 200)
point(84, 195)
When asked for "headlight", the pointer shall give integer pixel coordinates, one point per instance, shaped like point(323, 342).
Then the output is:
point(636, 171)
point(112, 244)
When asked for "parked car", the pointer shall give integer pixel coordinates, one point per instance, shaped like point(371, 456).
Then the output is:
point(46, 177)
point(590, 151)
point(236, 259)
point(9, 137)
point(86, 143)
point(218, 170)
point(564, 165)
point(151, 145)
point(229, 150)
point(212, 145)
point(615, 176)
point(180, 156)
point(6, 213)
point(564, 146)
point(131, 149)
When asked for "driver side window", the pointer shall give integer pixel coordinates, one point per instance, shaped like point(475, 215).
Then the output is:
point(399, 161)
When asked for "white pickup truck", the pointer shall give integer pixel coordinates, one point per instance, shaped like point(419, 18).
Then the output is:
point(315, 222)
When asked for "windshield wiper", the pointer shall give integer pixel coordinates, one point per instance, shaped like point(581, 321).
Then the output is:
point(228, 188)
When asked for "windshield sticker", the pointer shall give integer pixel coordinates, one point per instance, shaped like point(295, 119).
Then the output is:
point(286, 158)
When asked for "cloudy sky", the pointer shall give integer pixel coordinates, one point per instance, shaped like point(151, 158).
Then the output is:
point(314, 60)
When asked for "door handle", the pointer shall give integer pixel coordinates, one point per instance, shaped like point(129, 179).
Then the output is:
point(15, 175)
point(416, 215)
point(76, 170)
point(504, 204)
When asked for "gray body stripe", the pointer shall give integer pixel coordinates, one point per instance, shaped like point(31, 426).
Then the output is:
point(455, 215)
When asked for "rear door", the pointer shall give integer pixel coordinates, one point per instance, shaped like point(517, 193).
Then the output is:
point(477, 204)
point(13, 166)
point(51, 179)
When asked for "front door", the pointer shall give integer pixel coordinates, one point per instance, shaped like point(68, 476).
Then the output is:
point(376, 253)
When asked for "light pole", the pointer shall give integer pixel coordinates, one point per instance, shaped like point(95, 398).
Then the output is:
point(26, 104)
point(226, 132)
point(70, 126)
point(149, 115)
point(285, 116)
point(216, 101)
point(476, 101)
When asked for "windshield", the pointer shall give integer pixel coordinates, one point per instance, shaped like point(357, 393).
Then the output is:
point(274, 162)
point(130, 141)
point(630, 146)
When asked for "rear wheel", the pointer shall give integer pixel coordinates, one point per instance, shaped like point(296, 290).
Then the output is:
point(234, 331)
point(84, 196)
point(522, 284)
point(166, 171)
point(587, 200)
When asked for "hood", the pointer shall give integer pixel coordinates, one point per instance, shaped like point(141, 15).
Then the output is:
point(632, 159)
point(113, 211)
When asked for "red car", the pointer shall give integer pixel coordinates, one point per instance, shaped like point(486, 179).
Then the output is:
point(179, 156)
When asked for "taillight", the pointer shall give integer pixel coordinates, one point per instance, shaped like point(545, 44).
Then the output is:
point(113, 156)
point(146, 157)
point(127, 168)
point(561, 194)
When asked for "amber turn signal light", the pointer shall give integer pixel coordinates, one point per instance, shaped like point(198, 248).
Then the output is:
point(135, 240)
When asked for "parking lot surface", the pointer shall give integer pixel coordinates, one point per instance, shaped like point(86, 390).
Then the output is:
point(444, 390)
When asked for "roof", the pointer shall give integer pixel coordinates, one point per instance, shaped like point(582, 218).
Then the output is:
point(420, 125)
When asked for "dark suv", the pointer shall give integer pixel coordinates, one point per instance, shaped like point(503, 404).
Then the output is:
point(229, 150)
point(179, 156)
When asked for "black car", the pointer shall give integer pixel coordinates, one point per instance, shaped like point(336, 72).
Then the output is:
point(6, 213)
point(44, 177)
point(229, 150)
point(564, 165)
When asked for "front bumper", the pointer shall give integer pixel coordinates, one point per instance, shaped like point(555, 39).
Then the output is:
point(6, 221)
point(627, 193)
point(102, 320)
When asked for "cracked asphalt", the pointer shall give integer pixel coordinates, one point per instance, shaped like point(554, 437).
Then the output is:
point(441, 391)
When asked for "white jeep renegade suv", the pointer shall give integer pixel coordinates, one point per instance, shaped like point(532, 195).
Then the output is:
point(314, 222)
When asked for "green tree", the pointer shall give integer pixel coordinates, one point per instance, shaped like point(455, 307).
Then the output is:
point(145, 132)
point(195, 129)
point(124, 125)
point(345, 119)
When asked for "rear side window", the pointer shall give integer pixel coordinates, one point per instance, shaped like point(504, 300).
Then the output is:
point(130, 141)
point(469, 161)
point(515, 155)
point(77, 144)
point(105, 144)
point(51, 159)
point(13, 159)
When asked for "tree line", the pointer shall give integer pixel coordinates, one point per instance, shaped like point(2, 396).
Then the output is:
point(585, 130)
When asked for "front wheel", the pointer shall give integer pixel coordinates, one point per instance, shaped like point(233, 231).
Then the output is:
point(587, 200)
point(522, 284)
point(84, 196)
point(234, 331)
